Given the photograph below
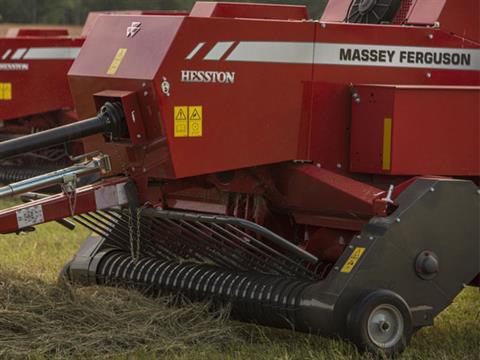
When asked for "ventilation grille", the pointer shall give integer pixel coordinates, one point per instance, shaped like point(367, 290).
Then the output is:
point(402, 13)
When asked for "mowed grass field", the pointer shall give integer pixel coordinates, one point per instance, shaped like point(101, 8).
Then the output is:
point(40, 318)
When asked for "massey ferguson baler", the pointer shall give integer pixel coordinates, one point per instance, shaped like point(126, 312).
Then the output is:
point(34, 94)
point(316, 175)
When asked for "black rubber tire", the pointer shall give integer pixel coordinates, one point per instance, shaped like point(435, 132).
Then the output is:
point(357, 322)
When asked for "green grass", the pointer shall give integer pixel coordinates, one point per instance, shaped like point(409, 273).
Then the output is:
point(39, 319)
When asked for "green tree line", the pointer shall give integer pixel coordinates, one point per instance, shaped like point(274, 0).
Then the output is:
point(75, 11)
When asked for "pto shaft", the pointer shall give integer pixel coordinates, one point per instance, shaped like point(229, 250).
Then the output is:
point(108, 121)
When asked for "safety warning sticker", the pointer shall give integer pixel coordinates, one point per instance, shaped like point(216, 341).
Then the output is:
point(188, 121)
point(30, 216)
point(6, 91)
point(117, 60)
point(181, 121)
point(352, 260)
point(194, 121)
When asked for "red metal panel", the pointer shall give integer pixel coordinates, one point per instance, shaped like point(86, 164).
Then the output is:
point(459, 16)
point(331, 118)
point(367, 127)
point(435, 130)
point(263, 116)
point(57, 206)
point(329, 129)
point(248, 11)
point(426, 12)
point(38, 85)
point(336, 11)
point(311, 191)
point(261, 110)
point(145, 51)
point(18, 32)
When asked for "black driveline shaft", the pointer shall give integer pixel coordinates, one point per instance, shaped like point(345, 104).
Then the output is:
point(53, 136)
point(108, 120)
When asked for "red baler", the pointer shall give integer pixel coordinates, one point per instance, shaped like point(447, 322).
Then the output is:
point(320, 175)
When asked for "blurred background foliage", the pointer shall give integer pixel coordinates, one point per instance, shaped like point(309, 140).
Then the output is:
point(75, 11)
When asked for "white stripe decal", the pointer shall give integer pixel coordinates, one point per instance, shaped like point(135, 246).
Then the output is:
point(397, 56)
point(52, 53)
point(218, 50)
point(358, 55)
point(195, 51)
point(7, 53)
point(277, 52)
point(18, 54)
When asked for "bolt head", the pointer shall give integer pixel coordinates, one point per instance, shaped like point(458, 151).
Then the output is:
point(145, 93)
point(428, 75)
point(432, 189)
point(397, 220)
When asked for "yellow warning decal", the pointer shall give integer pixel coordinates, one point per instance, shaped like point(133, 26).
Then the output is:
point(180, 121)
point(6, 91)
point(188, 121)
point(195, 121)
point(352, 260)
point(387, 144)
point(117, 60)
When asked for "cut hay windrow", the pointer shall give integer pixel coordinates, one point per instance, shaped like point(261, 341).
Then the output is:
point(62, 321)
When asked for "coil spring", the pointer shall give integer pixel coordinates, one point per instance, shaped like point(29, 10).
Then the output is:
point(264, 299)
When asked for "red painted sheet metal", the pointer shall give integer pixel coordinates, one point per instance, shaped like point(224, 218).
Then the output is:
point(38, 85)
point(57, 206)
point(261, 110)
point(34, 32)
point(336, 11)
point(459, 17)
point(435, 130)
point(145, 51)
point(285, 102)
point(248, 11)
point(313, 191)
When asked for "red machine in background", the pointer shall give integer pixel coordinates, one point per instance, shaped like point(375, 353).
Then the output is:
point(34, 94)
point(320, 175)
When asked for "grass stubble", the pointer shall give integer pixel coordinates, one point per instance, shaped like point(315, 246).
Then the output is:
point(41, 318)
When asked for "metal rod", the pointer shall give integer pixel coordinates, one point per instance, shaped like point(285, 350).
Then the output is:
point(55, 177)
point(271, 236)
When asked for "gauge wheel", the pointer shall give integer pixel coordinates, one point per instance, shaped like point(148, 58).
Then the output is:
point(380, 323)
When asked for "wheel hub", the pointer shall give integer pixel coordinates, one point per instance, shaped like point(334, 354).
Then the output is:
point(385, 326)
